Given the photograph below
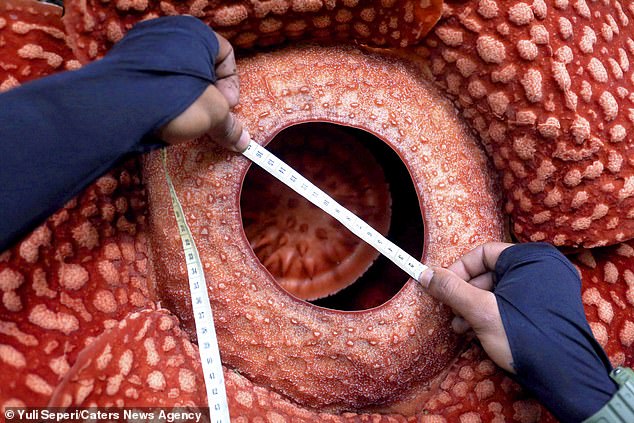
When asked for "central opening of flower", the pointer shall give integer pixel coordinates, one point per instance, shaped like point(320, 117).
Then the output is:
point(310, 254)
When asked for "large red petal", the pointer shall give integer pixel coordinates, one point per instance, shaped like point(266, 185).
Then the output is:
point(32, 42)
point(76, 275)
point(549, 89)
point(144, 360)
point(95, 25)
point(608, 297)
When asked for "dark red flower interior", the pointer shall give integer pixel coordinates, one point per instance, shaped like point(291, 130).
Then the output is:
point(309, 253)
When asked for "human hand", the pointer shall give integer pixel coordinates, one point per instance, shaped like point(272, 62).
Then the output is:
point(533, 323)
point(210, 113)
point(466, 287)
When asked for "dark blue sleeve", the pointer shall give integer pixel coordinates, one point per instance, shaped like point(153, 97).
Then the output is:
point(555, 355)
point(60, 133)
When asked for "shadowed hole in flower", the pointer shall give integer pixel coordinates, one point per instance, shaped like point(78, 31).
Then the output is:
point(311, 255)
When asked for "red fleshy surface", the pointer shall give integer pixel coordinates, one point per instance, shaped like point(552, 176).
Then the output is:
point(608, 296)
point(69, 287)
point(94, 25)
point(77, 274)
point(143, 361)
point(548, 87)
point(32, 42)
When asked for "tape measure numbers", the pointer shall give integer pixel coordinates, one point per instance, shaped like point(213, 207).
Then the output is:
point(290, 177)
point(203, 317)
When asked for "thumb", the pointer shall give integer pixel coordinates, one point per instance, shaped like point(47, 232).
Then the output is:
point(477, 306)
point(448, 288)
point(230, 133)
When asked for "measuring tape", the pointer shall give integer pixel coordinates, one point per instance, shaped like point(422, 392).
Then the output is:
point(291, 178)
point(203, 318)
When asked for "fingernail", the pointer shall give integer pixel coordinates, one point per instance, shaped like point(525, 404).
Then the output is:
point(243, 142)
point(425, 277)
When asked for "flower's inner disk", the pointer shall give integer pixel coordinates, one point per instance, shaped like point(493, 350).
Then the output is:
point(310, 254)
